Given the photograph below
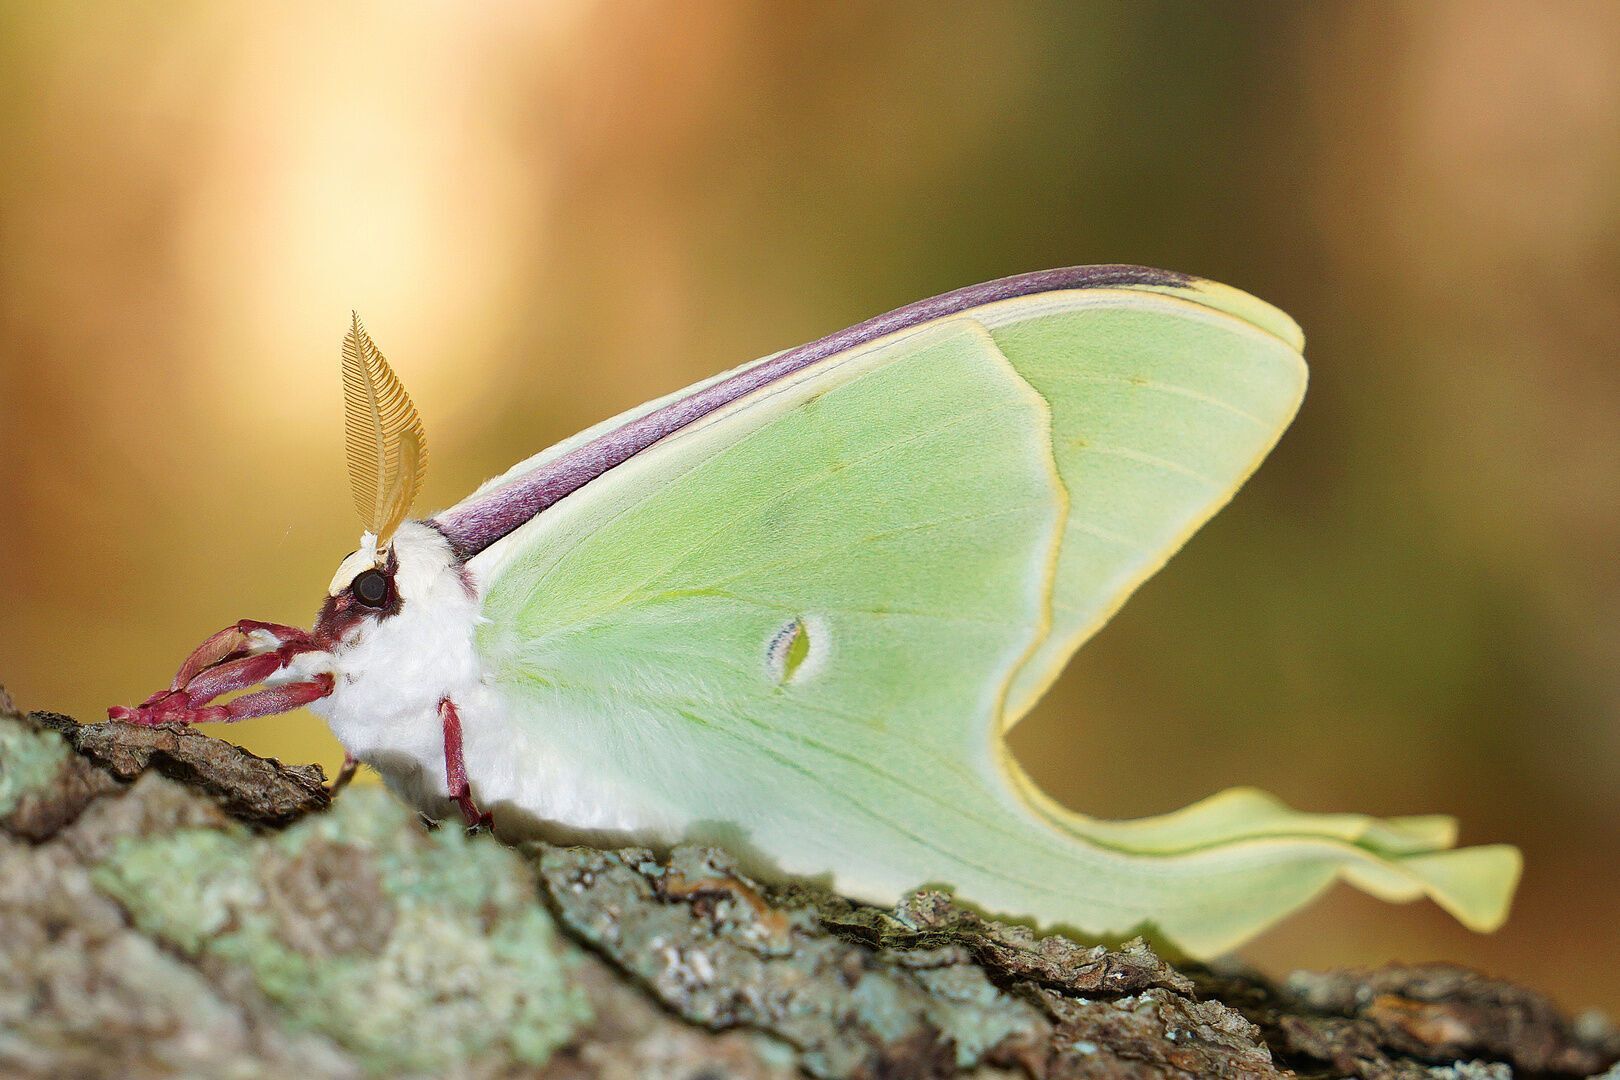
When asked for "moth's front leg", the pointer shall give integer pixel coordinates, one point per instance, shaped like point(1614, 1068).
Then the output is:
point(455, 769)
point(235, 658)
point(247, 638)
point(267, 702)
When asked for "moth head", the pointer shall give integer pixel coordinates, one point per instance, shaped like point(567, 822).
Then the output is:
point(379, 581)
point(387, 453)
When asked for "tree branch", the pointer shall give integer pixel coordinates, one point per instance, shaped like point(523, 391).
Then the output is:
point(172, 904)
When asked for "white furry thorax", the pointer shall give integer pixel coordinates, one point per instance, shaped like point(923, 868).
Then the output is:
point(391, 673)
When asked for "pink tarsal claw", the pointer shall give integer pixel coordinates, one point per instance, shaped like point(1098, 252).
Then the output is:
point(236, 658)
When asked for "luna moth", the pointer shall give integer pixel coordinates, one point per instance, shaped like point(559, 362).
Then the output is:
point(795, 608)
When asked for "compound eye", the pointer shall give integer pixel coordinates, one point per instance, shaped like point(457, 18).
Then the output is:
point(371, 588)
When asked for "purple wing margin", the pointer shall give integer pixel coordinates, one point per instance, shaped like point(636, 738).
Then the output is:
point(478, 523)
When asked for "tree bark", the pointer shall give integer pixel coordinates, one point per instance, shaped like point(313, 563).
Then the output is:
point(171, 904)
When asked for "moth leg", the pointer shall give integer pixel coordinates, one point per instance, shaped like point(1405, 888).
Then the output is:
point(266, 702)
point(247, 637)
point(455, 769)
point(345, 774)
point(235, 658)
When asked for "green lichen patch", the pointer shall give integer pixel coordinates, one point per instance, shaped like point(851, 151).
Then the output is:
point(704, 941)
point(1010, 950)
point(414, 951)
point(29, 761)
point(82, 994)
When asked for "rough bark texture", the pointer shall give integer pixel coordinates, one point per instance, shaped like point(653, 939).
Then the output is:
point(173, 905)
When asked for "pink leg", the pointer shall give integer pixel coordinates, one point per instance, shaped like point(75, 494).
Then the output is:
point(266, 702)
point(224, 677)
point(455, 769)
point(345, 774)
point(232, 659)
point(234, 641)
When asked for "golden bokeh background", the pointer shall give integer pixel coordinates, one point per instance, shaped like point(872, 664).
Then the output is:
point(549, 212)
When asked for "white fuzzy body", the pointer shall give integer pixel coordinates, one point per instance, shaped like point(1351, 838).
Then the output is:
point(390, 674)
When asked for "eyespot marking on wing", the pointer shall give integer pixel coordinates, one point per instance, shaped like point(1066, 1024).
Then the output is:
point(796, 651)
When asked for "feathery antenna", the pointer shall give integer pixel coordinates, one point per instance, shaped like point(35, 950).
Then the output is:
point(383, 436)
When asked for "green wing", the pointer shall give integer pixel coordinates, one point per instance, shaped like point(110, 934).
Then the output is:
point(1161, 407)
point(801, 625)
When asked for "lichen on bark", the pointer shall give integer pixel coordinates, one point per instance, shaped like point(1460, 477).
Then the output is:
point(173, 905)
point(411, 950)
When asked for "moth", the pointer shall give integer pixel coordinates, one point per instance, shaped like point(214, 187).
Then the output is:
point(795, 608)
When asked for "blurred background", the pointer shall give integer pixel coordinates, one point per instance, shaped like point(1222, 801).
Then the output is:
point(550, 212)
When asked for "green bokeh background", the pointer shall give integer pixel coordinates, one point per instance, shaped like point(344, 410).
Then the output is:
point(548, 213)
